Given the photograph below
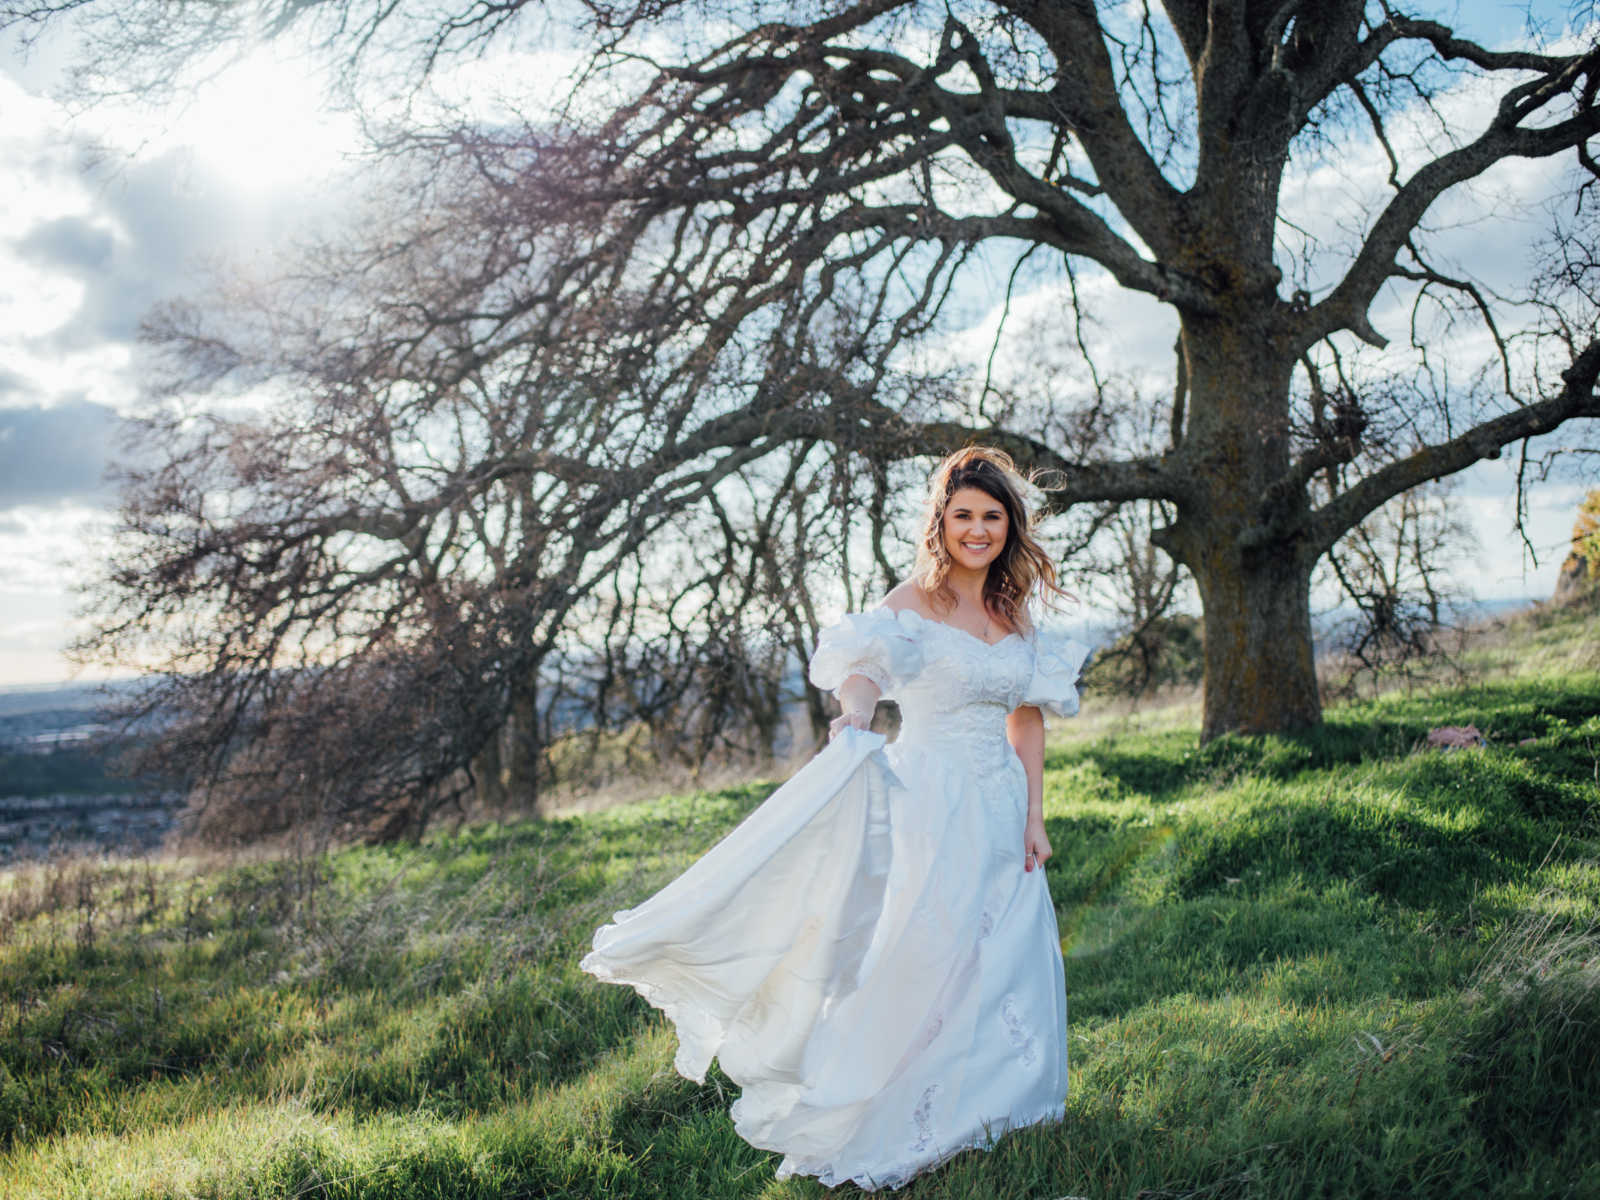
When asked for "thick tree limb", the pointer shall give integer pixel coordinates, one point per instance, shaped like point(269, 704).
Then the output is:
point(1190, 20)
point(1577, 398)
point(1346, 306)
point(977, 123)
point(1451, 47)
point(1086, 96)
point(1069, 481)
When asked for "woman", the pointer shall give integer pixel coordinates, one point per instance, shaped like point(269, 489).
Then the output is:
point(873, 955)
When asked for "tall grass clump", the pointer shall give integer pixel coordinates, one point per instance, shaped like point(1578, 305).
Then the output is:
point(1528, 1057)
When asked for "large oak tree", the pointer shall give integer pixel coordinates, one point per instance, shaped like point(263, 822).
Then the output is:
point(745, 235)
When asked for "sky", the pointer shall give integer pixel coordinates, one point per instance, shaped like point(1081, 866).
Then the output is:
point(115, 209)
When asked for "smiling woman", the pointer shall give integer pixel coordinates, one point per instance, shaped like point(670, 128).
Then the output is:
point(913, 1005)
point(981, 523)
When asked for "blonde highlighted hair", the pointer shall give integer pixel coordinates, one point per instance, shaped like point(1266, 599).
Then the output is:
point(1022, 567)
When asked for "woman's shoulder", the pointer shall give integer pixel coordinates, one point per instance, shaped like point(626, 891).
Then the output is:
point(883, 643)
point(899, 614)
point(908, 605)
point(908, 596)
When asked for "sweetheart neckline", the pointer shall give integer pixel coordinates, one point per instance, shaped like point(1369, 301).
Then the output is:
point(981, 641)
point(955, 628)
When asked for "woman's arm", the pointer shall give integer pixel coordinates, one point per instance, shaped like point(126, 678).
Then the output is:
point(1025, 729)
point(858, 696)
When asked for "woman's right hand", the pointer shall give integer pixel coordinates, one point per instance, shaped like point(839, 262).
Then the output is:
point(859, 697)
point(849, 720)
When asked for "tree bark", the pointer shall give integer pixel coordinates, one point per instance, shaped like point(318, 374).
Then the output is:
point(521, 771)
point(1242, 529)
point(1260, 673)
point(488, 774)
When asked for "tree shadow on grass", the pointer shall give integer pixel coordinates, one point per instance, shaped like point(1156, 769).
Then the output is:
point(1126, 956)
point(1399, 857)
point(1334, 899)
point(1161, 766)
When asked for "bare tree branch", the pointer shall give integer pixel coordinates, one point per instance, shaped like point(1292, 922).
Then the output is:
point(1578, 398)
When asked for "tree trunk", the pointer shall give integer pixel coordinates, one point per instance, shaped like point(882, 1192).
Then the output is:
point(524, 747)
point(1240, 531)
point(488, 773)
point(1260, 673)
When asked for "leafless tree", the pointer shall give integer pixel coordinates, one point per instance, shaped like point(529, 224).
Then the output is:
point(1143, 590)
point(1393, 569)
point(754, 227)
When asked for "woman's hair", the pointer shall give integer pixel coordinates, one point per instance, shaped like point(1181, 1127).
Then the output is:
point(1022, 566)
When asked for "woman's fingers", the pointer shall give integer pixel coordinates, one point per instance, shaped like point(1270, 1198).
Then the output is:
point(1035, 852)
point(849, 720)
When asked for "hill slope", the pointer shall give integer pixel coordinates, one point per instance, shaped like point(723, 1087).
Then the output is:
point(1329, 966)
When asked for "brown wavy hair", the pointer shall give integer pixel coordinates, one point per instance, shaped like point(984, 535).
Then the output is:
point(1022, 568)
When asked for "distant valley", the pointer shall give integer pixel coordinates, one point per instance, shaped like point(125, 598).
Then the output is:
point(58, 789)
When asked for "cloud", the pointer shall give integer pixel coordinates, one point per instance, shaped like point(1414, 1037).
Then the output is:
point(49, 551)
point(55, 453)
point(71, 243)
point(111, 211)
point(150, 227)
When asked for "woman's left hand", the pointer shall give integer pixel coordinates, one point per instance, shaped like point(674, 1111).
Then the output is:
point(1035, 844)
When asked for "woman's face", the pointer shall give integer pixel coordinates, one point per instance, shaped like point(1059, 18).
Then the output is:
point(975, 526)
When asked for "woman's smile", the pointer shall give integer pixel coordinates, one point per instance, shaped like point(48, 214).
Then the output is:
point(975, 525)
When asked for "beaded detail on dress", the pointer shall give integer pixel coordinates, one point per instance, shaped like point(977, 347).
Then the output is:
point(1022, 1038)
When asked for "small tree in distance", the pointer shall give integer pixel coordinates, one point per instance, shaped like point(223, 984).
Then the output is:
point(1393, 570)
point(1580, 570)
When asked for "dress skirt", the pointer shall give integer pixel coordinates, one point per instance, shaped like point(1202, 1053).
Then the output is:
point(866, 957)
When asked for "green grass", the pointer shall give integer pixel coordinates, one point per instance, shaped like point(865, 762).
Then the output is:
point(1327, 965)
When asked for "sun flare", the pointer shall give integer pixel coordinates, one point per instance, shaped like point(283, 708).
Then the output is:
point(264, 123)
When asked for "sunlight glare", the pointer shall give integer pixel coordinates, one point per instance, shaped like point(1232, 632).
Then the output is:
point(262, 124)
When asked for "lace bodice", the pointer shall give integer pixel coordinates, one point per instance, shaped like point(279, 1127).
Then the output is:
point(954, 689)
point(935, 670)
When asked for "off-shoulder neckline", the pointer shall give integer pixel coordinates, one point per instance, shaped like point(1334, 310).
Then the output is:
point(897, 613)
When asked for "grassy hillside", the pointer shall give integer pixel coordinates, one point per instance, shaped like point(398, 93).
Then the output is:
point(1322, 966)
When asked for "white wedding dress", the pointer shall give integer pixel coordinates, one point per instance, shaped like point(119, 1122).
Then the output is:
point(865, 954)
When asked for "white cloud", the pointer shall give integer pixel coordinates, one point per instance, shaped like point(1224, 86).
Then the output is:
point(43, 549)
point(107, 213)
point(119, 207)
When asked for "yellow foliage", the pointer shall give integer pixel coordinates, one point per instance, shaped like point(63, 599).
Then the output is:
point(1586, 533)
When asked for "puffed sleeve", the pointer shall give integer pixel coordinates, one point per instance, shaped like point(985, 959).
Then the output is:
point(881, 645)
point(1057, 660)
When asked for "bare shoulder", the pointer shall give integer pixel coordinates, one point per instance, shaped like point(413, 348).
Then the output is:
point(908, 595)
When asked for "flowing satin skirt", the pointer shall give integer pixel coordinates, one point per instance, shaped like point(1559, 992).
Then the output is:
point(866, 957)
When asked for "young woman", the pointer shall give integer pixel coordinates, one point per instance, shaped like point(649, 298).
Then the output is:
point(872, 954)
